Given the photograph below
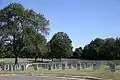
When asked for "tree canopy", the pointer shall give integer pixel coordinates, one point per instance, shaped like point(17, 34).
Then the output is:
point(102, 49)
point(61, 45)
point(17, 21)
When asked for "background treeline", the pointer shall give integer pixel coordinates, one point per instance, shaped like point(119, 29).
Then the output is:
point(100, 49)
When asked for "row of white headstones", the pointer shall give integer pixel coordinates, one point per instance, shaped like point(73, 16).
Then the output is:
point(50, 66)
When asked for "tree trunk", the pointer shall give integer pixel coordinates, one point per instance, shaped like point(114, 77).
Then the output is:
point(60, 59)
point(14, 49)
point(16, 59)
point(42, 59)
point(52, 59)
point(35, 59)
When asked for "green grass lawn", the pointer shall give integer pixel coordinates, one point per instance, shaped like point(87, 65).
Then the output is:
point(6, 60)
point(11, 60)
point(102, 73)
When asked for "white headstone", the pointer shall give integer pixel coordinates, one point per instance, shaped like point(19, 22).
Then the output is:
point(112, 67)
point(70, 66)
point(63, 65)
point(36, 67)
point(49, 67)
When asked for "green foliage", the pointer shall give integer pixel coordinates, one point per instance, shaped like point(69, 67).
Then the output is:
point(29, 28)
point(61, 46)
point(23, 25)
point(102, 49)
point(35, 44)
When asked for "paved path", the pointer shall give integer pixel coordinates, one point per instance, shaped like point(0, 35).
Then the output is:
point(34, 78)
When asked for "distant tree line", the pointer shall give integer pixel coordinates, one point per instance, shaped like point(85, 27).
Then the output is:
point(99, 49)
point(23, 32)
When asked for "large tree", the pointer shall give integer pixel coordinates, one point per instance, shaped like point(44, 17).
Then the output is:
point(61, 45)
point(15, 20)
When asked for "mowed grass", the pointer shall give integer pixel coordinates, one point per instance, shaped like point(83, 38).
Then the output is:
point(6, 60)
point(12, 60)
point(102, 73)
